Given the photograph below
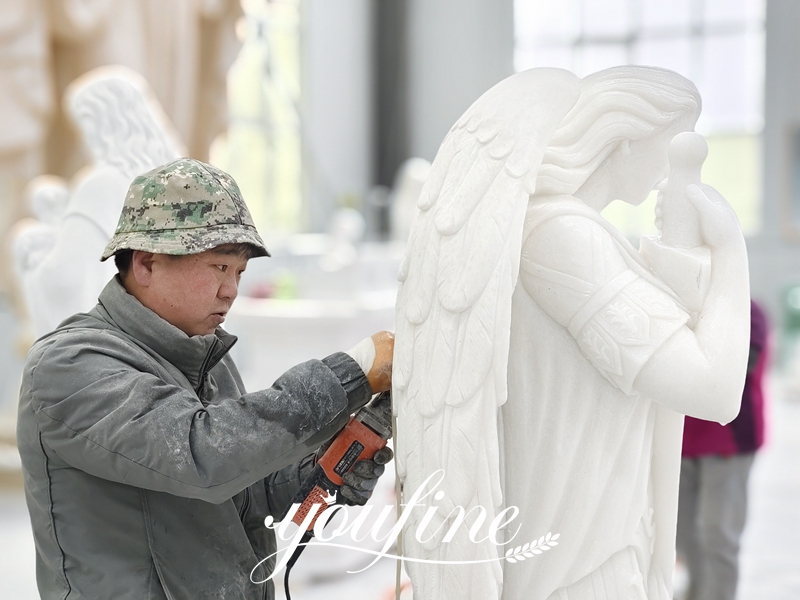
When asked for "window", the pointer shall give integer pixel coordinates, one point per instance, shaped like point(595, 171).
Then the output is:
point(718, 44)
point(261, 148)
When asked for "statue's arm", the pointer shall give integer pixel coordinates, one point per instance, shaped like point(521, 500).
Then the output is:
point(577, 273)
point(631, 329)
point(700, 372)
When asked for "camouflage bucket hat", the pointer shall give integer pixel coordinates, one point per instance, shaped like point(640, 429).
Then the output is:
point(183, 207)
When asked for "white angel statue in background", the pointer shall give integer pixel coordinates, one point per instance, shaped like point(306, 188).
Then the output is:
point(541, 361)
point(127, 134)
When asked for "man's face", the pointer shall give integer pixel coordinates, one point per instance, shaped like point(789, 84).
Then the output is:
point(195, 292)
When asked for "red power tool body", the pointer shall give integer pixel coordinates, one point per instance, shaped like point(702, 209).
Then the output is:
point(365, 434)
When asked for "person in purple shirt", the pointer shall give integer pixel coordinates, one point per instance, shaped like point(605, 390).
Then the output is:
point(715, 466)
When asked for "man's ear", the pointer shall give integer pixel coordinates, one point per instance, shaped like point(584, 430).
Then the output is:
point(142, 267)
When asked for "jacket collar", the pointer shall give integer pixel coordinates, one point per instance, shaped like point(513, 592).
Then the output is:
point(194, 356)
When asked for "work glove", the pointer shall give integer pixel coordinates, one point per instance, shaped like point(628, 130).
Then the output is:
point(359, 483)
point(374, 356)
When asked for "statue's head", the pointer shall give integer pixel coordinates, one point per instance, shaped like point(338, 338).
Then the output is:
point(121, 123)
point(613, 143)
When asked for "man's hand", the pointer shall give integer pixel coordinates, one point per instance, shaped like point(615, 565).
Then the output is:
point(380, 375)
point(360, 482)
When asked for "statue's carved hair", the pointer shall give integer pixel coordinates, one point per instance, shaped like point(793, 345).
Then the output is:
point(121, 124)
point(617, 104)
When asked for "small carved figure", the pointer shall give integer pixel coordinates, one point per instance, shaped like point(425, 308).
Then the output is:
point(543, 362)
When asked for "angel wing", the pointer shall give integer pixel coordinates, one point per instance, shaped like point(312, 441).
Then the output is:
point(454, 319)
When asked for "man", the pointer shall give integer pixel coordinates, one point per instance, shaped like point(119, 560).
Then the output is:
point(148, 469)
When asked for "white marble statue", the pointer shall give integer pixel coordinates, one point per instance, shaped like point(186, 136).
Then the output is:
point(126, 134)
point(543, 362)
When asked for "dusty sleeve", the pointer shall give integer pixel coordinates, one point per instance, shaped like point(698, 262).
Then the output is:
point(101, 411)
point(283, 485)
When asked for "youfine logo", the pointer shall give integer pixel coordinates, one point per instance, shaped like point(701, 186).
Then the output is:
point(289, 532)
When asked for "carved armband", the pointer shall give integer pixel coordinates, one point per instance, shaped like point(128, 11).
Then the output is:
point(578, 274)
point(623, 324)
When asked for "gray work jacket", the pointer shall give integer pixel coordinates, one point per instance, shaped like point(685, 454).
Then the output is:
point(148, 469)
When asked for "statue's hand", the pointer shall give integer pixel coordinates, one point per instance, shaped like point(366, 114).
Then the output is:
point(719, 225)
point(683, 260)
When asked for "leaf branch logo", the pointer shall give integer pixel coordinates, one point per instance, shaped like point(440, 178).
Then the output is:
point(533, 548)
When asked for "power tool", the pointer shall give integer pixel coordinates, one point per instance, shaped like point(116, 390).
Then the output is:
point(366, 433)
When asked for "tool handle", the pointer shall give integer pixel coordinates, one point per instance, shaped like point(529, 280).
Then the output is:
point(313, 492)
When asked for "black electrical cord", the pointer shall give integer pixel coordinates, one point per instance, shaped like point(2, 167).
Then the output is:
point(297, 552)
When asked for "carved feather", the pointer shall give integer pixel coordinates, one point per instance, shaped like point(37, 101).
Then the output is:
point(423, 276)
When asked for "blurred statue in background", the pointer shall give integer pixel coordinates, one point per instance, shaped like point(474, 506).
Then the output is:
point(183, 48)
point(541, 361)
point(127, 134)
point(26, 104)
point(25, 88)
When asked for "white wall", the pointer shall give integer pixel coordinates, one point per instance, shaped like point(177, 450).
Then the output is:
point(457, 50)
point(336, 47)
